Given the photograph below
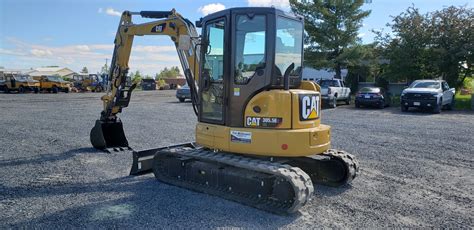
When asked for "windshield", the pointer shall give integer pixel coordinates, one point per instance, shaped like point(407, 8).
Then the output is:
point(328, 83)
point(425, 84)
point(288, 45)
point(55, 78)
point(23, 78)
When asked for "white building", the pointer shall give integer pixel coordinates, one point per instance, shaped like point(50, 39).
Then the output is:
point(48, 71)
point(311, 74)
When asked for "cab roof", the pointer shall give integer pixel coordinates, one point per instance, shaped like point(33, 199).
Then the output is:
point(251, 10)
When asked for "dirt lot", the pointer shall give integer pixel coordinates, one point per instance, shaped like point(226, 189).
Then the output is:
point(416, 169)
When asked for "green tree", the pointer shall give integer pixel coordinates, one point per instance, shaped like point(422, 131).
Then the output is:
point(84, 70)
point(431, 45)
point(452, 33)
point(136, 77)
point(407, 50)
point(172, 72)
point(104, 69)
point(332, 28)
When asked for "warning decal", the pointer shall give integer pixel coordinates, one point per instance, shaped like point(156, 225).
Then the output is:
point(240, 137)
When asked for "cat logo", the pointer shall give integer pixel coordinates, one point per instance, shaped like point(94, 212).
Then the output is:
point(158, 28)
point(253, 121)
point(268, 122)
point(309, 104)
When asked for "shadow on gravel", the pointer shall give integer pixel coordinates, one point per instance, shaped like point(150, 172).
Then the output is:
point(326, 107)
point(427, 112)
point(161, 205)
point(39, 159)
point(326, 191)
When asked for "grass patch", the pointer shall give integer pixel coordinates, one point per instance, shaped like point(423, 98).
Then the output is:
point(463, 102)
point(396, 100)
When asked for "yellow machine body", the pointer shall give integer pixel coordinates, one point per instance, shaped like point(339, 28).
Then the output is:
point(277, 130)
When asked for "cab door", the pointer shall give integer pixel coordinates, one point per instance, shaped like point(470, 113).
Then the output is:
point(447, 93)
point(13, 82)
point(345, 92)
point(212, 82)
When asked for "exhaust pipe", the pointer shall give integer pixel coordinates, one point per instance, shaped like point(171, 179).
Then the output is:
point(108, 134)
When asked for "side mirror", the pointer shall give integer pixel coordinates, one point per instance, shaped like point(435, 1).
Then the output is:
point(184, 42)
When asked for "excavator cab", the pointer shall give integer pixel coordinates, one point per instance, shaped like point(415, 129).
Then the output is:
point(245, 51)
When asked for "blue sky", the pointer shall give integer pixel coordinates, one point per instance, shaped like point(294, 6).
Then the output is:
point(77, 33)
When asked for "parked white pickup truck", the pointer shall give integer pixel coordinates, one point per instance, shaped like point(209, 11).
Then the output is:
point(334, 90)
point(433, 94)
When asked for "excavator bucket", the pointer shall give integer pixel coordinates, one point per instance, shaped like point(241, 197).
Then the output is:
point(108, 135)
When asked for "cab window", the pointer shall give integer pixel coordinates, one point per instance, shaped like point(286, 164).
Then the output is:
point(445, 86)
point(250, 36)
point(288, 45)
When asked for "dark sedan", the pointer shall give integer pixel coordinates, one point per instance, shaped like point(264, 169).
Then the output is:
point(148, 84)
point(183, 93)
point(372, 96)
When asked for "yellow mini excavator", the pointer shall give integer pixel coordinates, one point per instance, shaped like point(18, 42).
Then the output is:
point(259, 137)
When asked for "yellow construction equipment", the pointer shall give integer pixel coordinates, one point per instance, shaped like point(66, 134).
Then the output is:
point(15, 81)
point(89, 82)
point(53, 84)
point(259, 137)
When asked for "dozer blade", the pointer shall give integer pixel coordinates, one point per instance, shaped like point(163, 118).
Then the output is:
point(143, 160)
point(108, 135)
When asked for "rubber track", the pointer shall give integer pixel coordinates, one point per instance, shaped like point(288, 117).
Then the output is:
point(349, 160)
point(301, 182)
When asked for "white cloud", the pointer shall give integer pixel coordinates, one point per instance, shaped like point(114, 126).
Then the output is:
point(211, 8)
point(101, 47)
point(83, 48)
point(22, 55)
point(41, 52)
point(12, 52)
point(281, 4)
point(112, 12)
point(360, 35)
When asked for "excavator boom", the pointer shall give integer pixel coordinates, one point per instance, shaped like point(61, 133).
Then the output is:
point(108, 131)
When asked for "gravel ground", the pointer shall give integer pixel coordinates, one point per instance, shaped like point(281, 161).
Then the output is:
point(416, 169)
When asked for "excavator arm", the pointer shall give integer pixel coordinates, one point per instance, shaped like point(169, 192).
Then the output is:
point(108, 130)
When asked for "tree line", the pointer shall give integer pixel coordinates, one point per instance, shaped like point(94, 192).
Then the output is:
point(438, 44)
point(172, 72)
